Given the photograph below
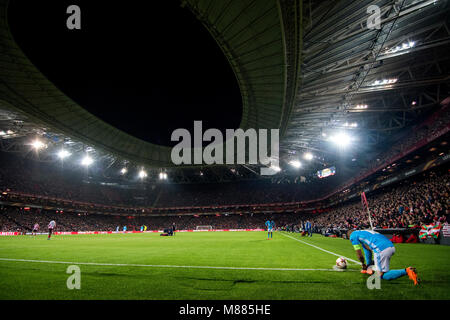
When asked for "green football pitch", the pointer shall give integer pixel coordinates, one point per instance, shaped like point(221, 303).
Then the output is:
point(208, 265)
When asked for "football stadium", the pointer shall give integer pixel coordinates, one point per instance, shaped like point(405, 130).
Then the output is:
point(225, 150)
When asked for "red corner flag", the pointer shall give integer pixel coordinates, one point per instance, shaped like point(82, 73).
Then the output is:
point(364, 200)
point(365, 205)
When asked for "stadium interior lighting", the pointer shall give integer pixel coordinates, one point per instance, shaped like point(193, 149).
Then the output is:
point(123, 170)
point(295, 163)
point(63, 154)
point(37, 144)
point(2, 133)
point(87, 161)
point(361, 106)
point(142, 174)
point(351, 125)
point(341, 139)
point(384, 81)
point(308, 156)
point(162, 176)
point(9, 132)
point(404, 46)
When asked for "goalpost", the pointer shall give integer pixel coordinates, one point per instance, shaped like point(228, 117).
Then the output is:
point(203, 228)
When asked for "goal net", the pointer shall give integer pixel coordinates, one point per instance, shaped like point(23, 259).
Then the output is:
point(203, 228)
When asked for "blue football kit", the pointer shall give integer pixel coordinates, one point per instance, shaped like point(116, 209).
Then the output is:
point(382, 248)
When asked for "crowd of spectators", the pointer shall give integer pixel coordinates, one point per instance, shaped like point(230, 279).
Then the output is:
point(409, 204)
point(48, 182)
point(422, 199)
point(20, 220)
point(43, 180)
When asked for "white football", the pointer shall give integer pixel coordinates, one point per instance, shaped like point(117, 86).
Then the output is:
point(341, 263)
point(373, 267)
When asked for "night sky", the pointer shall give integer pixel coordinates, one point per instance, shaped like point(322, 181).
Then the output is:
point(147, 69)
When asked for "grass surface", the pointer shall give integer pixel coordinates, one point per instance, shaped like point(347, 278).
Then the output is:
point(34, 280)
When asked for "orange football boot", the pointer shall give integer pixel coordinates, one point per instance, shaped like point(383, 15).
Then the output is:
point(412, 274)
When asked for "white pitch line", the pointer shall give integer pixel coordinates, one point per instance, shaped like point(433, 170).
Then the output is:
point(162, 266)
point(333, 253)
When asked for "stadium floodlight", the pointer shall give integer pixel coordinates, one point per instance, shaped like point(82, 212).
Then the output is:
point(341, 140)
point(295, 163)
point(162, 176)
point(384, 82)
point(87, 161)
point(37, 144)
point(308, 156)
point(123, 170)
point(63, 154)
point(352, 125)
point(142, 174)
point(2, 133)
point(400, 48)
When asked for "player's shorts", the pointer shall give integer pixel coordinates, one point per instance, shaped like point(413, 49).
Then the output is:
point(382, 259)
point(35, 230)
point(270, 230)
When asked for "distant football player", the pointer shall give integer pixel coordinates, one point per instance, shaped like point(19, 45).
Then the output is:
point(35, 229)
point(378, 249)
point(308, 228)
point(51, 226)
point(269, 224)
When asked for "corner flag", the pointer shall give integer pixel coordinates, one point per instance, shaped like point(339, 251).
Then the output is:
point(365, 205)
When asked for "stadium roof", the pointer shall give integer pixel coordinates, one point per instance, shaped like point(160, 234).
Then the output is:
point(261, 41)
point(312, 68)
point(369, 82)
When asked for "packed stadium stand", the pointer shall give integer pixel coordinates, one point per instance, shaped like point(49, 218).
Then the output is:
point(410, 203)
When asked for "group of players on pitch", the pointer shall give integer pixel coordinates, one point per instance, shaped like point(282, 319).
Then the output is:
point(51, 226)
point(378, 250)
